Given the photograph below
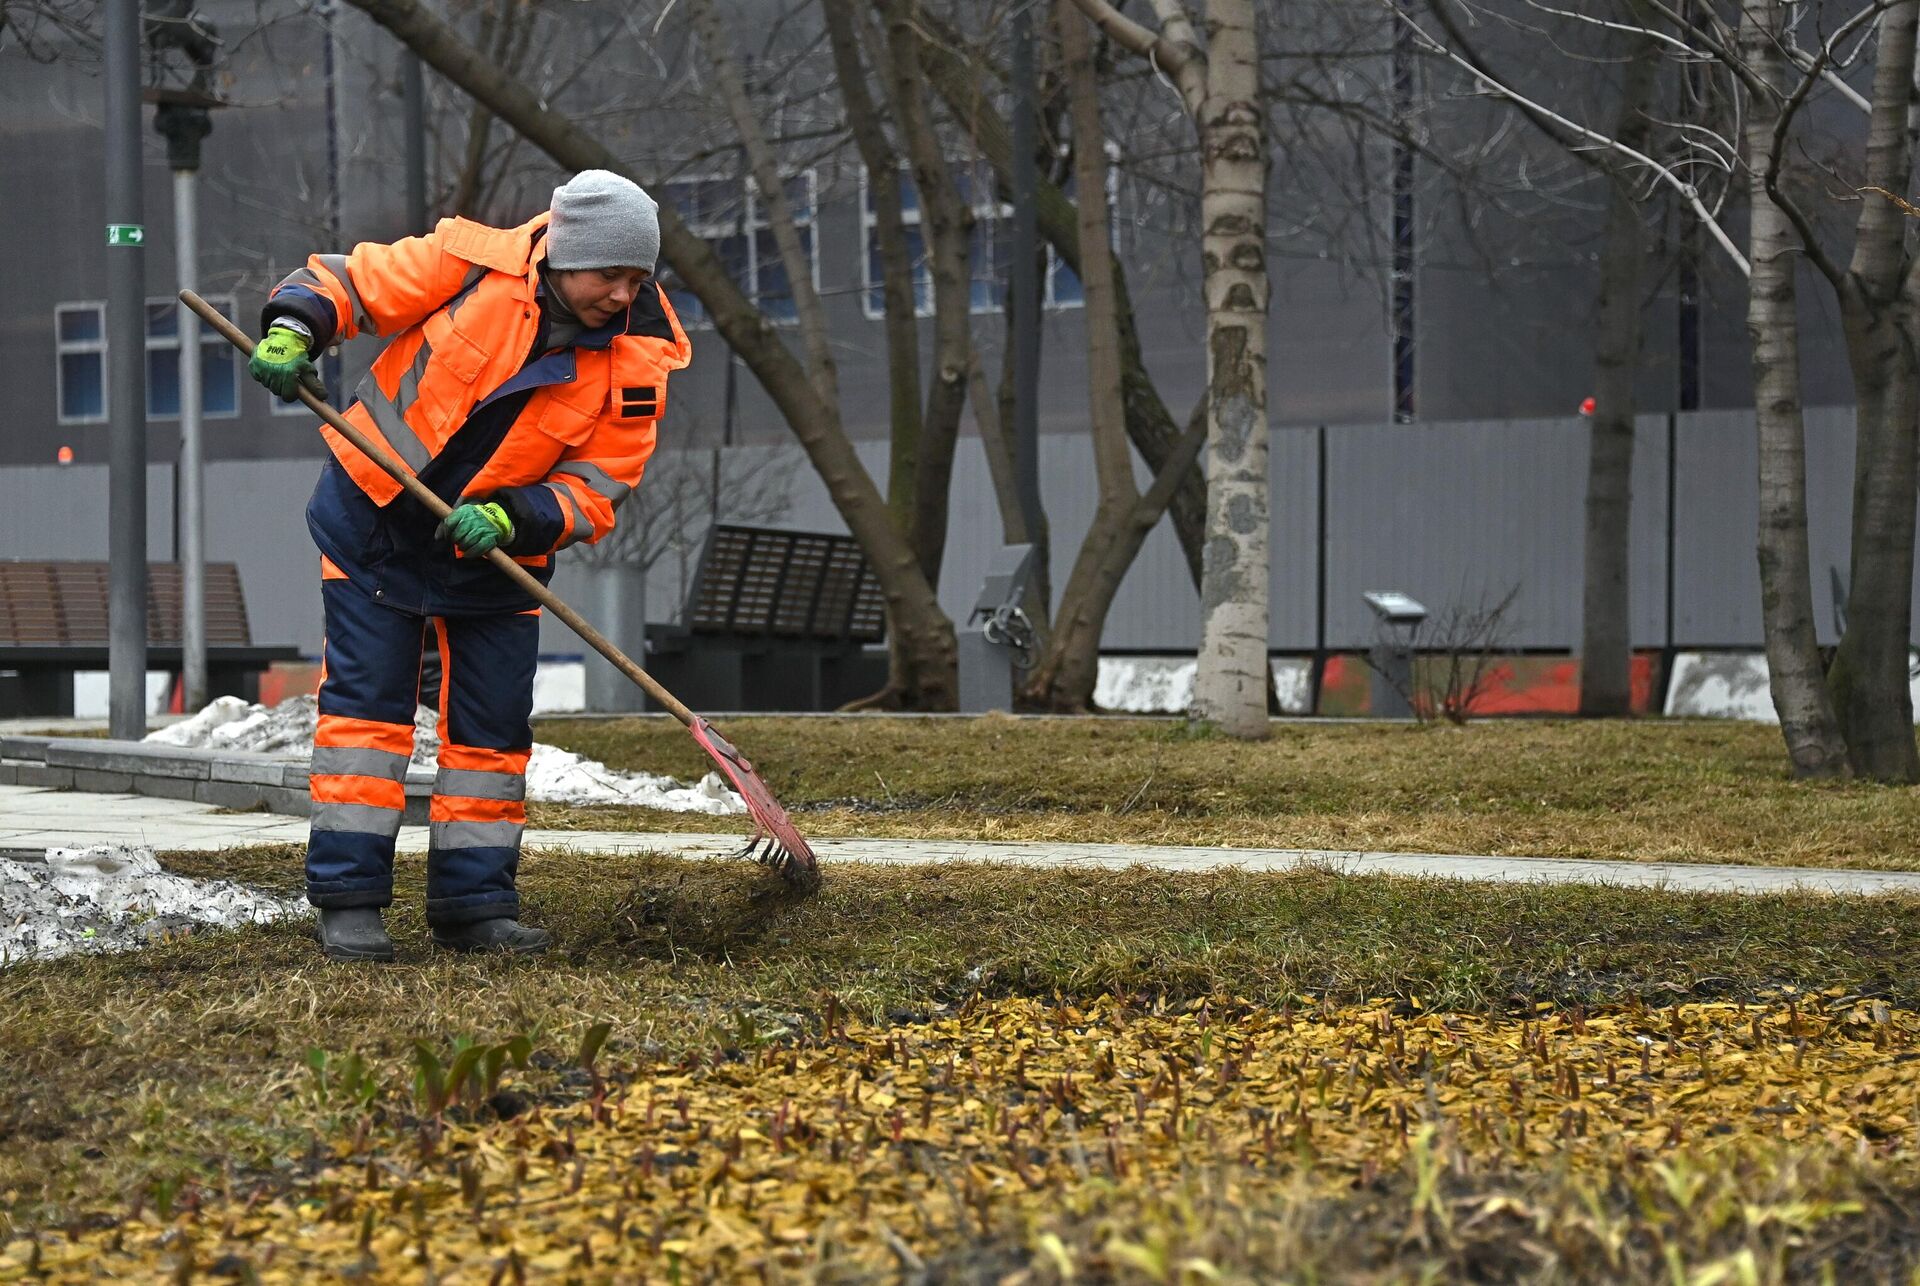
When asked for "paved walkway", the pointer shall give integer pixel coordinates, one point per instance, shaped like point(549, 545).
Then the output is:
point(35, 820)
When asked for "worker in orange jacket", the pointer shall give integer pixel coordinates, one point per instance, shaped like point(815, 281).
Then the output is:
point(523, 379)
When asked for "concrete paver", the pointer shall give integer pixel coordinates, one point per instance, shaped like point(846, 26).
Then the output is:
point(31, 818)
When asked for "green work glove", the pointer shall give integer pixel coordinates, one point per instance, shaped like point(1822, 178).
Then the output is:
point(476, 528)
point(280, 362)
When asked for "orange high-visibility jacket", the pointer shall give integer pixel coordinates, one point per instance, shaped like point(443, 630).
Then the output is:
point(461, 306)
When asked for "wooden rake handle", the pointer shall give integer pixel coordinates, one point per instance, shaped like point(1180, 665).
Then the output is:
point(440, 509)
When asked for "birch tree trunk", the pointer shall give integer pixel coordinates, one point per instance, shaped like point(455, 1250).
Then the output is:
point(1794, 673)
point(1869, 678)
point(1218, 78)
point(922, 633)
point(1606, 644)
point(1231, 681)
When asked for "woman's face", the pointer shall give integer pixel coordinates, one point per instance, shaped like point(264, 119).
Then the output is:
point(598, 295)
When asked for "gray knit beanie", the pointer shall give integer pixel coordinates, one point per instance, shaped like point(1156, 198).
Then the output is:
point(601, 220)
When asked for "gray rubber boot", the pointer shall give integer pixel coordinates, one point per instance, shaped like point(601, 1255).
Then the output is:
point(503, 934)
point(354, 933)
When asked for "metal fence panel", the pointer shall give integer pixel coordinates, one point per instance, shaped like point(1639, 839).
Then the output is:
point(1716, 578)
point(60, 511)
point(1716, 569)
point(256, 516)
point(1456, 515)
point(1453, 514)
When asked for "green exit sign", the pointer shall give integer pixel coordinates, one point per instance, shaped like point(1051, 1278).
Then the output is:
point(126, 234)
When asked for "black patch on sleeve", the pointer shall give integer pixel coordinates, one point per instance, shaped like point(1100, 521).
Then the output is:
point(648, 315)
point(639, 401)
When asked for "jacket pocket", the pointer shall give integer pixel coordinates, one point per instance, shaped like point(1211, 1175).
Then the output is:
point(454, 351)
point(459, 355)
point(570, 419)
point(447, 390)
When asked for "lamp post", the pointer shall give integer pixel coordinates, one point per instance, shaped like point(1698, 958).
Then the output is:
point(184, 119)
point(126, 379)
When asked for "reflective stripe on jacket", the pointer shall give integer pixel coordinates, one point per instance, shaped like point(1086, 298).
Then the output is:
point(462, 307)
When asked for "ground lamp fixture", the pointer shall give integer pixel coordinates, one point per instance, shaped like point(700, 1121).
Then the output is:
point(1397, 619)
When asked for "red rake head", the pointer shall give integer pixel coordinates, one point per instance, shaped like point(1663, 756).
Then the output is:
point(775, 841)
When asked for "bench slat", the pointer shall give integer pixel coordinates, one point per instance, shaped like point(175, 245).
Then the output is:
point(762, 582)
point(66, 603)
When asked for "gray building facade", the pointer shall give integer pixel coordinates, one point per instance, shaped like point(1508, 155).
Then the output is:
point(1481, 493)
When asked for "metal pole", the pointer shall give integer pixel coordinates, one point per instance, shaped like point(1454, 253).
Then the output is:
point(126, 380)
point(1024, 286)
point(192, 552)
point(413, 101)
point(1402, 319)
point(1319, 568)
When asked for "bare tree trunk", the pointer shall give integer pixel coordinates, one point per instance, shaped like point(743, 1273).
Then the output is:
point(1869, 678)
point(923, 633)
point(1218, 79)
point(1064, 676)
point(1231, 681)
point(896, 262)
point(1151, 426)
point(1606, 643)
point(498, 22)
point(945, 222)
point(991, 418)
point(1815, 747)
point(1039, 533)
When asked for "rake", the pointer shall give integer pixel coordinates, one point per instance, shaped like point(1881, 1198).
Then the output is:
point(775, 841)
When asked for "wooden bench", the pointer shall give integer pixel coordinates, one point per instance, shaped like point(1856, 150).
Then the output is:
point(53, 623)
point(775, 620)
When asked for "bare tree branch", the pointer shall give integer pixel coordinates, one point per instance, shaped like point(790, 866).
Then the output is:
point(1579, 133)
point(773, 192)
point(1174, 50)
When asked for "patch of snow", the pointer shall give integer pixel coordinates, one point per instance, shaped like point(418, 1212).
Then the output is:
point(559, 776)
point(90, 695)
point(114, 898)
point(233, 723)
point(1721, 685)
point(1164, 684)
point(559, 687)
point(1144, 684)
point(1293, 683)
point(554, 776)
point(1736, 685)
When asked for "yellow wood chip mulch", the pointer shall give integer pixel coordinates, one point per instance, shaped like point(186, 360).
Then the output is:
point(883, 1146)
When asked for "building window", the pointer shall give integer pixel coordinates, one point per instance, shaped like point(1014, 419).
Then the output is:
point(728, 215)
point(989, 249)
point(219, 380)
point(80, 341)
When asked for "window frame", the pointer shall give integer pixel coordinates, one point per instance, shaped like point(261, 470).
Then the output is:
point(208, 336)
point(64, 348)
point(749, 229)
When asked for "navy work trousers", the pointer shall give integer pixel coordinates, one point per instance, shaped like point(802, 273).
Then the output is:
point(368, 693)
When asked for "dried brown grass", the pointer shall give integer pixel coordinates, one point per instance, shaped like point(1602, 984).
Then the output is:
point(1638, 790)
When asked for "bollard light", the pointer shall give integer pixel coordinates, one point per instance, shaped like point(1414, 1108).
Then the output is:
point(1399, 616)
